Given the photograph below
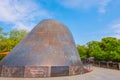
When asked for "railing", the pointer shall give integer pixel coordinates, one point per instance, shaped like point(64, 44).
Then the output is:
point(104, 64)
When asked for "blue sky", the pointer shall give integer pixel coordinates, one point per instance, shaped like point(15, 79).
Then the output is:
point(87, 19)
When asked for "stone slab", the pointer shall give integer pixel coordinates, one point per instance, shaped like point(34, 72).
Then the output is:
point(119, 66)
point(96, 74)
point(103, 64)
point(97, 64)
point(12, 71)
point(59, 71)
point(42, 71)
point(114, 66)
point(74, 70)
point(0, 70)
point(37, 71)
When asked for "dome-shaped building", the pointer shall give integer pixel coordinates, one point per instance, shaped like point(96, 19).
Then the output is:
point(48, 50)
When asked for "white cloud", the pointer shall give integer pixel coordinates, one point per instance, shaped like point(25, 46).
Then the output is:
point(19, 25)
point(21, 13)
point(103, 4)
point(85, 4)
point(115, 28)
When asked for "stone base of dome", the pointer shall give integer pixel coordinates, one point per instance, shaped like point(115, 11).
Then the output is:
point(40, 71)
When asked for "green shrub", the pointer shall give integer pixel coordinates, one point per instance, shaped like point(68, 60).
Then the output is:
point(2, 56)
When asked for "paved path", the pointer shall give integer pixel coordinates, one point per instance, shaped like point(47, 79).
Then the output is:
point(97, 74)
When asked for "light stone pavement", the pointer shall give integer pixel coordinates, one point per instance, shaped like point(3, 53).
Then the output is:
point(97, 74)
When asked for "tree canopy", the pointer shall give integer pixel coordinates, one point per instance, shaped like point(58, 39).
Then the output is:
point(9, 40)
point(108, 49)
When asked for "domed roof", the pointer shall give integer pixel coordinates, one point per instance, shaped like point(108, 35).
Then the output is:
point(50, 43)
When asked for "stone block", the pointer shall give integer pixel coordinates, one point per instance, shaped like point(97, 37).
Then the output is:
point(0, 70)
point(37, 71)
point(119, 66)
point(59, 71)
point(74, 70)
point(87, 68)
point(103, 64)
point(12, 71)
point(97, 63)
point(114, 66)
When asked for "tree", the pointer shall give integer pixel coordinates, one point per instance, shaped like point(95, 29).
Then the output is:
point(98, 53)
point(2, 56)
point(92, 45)
point(107, 49)
point(18, 34)
point(2, 39)
point(2, 34)
point(112, 47)
point(8, 43)
point(109, 44)
point(82, 50)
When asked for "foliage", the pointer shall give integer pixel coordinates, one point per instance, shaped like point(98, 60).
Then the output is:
point(82, 50)
point(8, 43)
point(2, 34)
point(17, 34)
point(2, 56)
point(108, 49)
point(9, 40)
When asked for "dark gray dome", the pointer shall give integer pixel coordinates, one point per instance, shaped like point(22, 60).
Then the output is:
point(50, 43)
